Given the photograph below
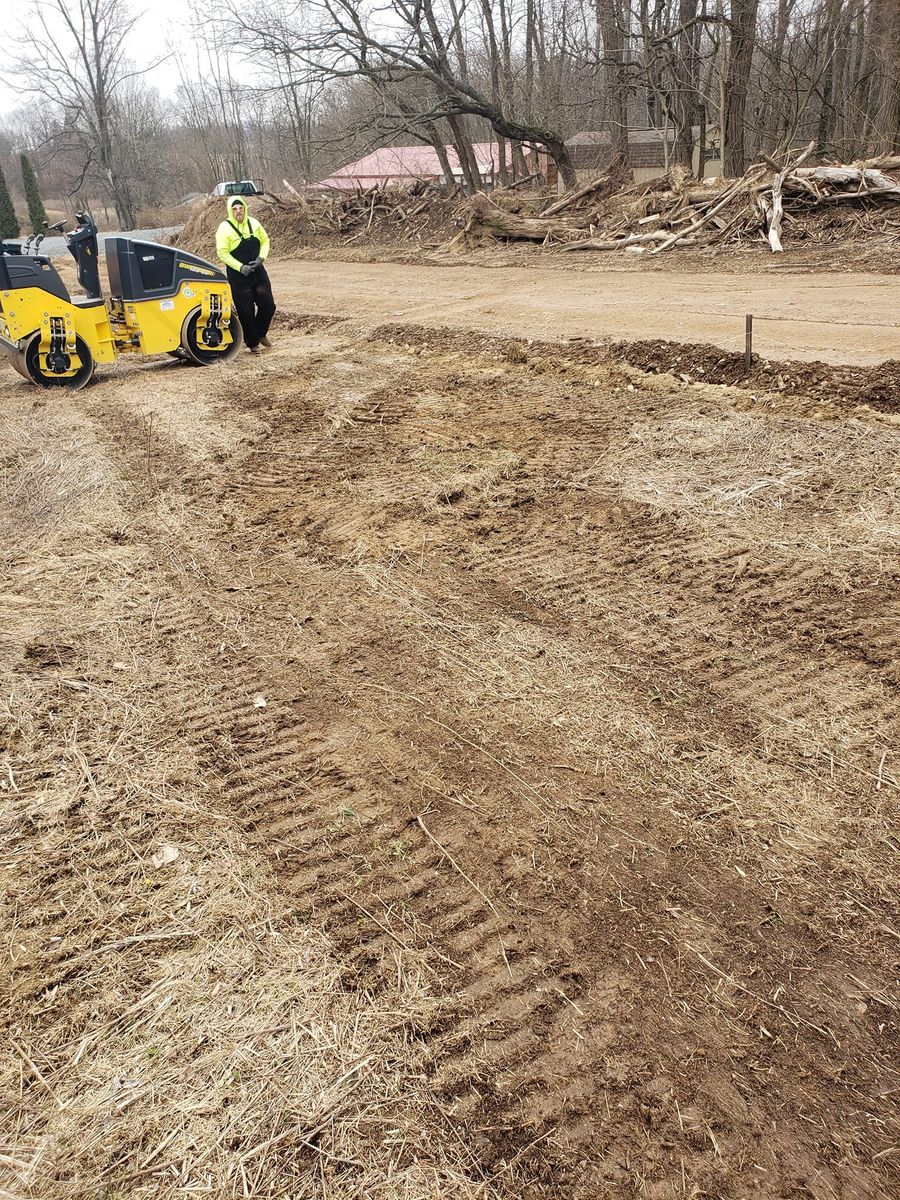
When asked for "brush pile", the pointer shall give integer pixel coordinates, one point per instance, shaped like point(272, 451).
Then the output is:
point(817, 203)
point(408, 214)
point(774, 201)
point(414, 216)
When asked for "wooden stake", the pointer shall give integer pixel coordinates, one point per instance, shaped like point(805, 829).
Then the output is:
point(748, 342)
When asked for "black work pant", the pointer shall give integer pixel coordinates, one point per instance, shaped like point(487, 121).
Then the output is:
point(252, 296)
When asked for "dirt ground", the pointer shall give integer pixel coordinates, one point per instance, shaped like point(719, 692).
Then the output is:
point(442, 766)
point(835, 317)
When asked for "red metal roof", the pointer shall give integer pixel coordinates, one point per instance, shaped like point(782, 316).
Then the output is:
point(403, 164)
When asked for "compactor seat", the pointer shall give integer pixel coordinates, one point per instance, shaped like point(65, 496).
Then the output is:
point(31, 271)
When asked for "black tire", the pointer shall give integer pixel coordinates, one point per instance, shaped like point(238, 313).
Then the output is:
point(32, 371)
point(203, 355)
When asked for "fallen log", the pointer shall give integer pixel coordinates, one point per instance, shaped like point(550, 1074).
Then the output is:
point(775, 211)
point(863, 177)
point(495, 221)
point(740, 185)
point(572, 197)
point(633, 239)
point(892, 193)
point(884, 162)
point(702, 195)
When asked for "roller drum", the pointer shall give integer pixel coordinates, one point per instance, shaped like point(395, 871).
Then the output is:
point(29, 366)
point(196, 351)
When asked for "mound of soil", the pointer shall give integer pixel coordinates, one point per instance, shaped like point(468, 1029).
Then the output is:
point(820, 388)
point(878, 387)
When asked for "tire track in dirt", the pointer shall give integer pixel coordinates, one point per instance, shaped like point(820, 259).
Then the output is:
point(758, 626)
point(259, 764)
point(409, 590)
point(136, 986)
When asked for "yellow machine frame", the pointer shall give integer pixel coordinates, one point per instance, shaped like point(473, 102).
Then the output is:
point(53, 339)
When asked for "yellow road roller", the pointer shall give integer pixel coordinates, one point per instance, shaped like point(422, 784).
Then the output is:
point(161, 301)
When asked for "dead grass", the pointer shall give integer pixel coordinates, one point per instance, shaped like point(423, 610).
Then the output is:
point(550, 680)
point(758, 467)
point(173, 1025)
point(47, 475)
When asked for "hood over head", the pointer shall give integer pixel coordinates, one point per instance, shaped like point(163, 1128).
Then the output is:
point(230, 203)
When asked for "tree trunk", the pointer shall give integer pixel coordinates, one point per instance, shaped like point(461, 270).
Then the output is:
point(701, 144)
point(559, 152)
point(855, 117)
point(434, 139)
point(529, 56)
point(828, 44)
point(609, 19)
point(892, 126)
point(465, 154)
point(122, 199)
point(502, 167)
point(685, 72)
point(488, 218)
point(441, 151)
point(496, 94)
point(840, 90)
point(737, 78)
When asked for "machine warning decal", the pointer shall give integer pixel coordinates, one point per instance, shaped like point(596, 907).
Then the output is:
point(188, 292)
point(167, 305)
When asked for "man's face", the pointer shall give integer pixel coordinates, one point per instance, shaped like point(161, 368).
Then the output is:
point(238, 210)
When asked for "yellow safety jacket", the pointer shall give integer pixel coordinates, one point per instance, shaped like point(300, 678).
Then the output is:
point(230, 234)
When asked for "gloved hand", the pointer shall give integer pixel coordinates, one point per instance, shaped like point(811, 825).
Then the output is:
point(256, 264)
point(246, 268)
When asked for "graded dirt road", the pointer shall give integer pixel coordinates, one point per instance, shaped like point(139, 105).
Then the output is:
point(837, 318)
point(435, 769)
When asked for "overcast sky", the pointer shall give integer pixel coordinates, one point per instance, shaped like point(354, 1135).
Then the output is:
point(166, 22)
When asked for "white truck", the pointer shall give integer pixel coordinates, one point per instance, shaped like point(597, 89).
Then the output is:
point(239, 187)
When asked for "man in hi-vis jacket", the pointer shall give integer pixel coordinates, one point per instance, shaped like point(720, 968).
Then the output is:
point(243, 246)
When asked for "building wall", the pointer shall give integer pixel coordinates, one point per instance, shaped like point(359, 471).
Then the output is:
point(645, 174)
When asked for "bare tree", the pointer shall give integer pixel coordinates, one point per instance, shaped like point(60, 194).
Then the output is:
point(74, 57)
point(611, 23)
point(414, 39)
point(741, 44)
